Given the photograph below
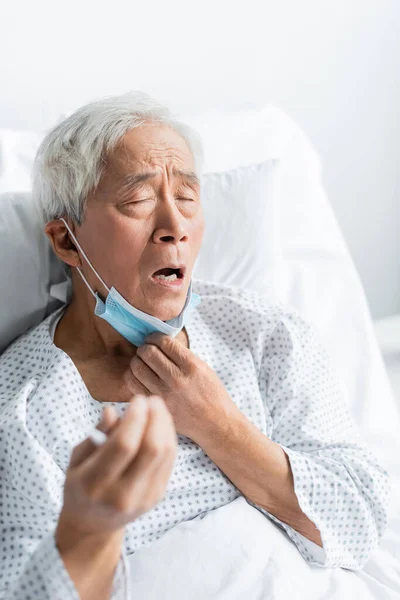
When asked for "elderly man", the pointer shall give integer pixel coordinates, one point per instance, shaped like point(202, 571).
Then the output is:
point(210, 392)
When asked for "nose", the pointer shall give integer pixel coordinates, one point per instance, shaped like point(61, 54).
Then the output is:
point(170, 224)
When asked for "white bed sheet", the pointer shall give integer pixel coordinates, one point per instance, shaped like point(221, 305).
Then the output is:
point(235, 552)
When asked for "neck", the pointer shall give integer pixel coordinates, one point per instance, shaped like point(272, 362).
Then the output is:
point(83, 335)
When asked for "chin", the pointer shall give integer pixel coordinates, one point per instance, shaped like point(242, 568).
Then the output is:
point(168, 314)
point(167, 309)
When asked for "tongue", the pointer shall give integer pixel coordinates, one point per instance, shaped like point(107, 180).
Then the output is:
point(167, 271)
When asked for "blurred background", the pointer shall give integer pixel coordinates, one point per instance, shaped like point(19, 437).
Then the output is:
point(333, 66)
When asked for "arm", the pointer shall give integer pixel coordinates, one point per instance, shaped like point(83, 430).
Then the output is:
point(313, 451)
point(105, 488)
point(259, 468)
point(37, 567)
point(91, 561)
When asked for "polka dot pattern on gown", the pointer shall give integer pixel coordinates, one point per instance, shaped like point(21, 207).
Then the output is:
point(275, 369)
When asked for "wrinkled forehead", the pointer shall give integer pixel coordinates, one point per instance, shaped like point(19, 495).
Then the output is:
point(153, 147)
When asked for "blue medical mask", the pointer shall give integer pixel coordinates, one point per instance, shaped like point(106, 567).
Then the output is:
point(132, 323)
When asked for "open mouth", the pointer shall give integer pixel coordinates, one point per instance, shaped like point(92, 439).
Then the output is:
point(169, 274)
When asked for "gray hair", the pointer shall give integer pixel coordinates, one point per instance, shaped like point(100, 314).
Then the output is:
point(71, 159)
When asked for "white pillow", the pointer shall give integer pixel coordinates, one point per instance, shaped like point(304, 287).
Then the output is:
point(238, 138)
point(26, 262)
point(240, 211)
point(17, 152)
point(241, 238)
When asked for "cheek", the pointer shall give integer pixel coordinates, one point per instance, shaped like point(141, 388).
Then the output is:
point(128, 242)
point(120, 243)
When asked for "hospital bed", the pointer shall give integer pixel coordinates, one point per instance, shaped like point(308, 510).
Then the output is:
point(295, 254)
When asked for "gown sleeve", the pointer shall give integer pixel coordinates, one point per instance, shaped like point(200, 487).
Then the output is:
point(338, 482)
point(30, 564)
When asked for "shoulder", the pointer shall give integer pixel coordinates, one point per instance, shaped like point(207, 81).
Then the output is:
point(235, 298)
point(249, 307)
point(31, 339)
point(25, 359)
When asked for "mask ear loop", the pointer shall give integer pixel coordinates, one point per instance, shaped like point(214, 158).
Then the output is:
point(87, 283)
point(87, 260)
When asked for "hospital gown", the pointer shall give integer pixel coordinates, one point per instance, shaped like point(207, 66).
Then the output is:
point(275, 369)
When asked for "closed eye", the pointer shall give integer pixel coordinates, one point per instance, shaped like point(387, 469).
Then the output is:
point(138, 201)
point(146, 199)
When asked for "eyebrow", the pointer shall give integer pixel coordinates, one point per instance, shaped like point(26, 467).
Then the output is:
point(134, 179)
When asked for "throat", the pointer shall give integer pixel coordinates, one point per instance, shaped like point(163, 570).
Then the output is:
point(88, 339)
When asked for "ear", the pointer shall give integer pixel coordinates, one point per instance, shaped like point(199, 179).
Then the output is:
point(61, 242)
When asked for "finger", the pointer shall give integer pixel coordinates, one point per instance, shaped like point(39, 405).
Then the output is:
point(105, 465)
point(145, 375)
point(157, 361)
point(108, 421)
point(149, 473)
point(176, 352)
point(134, 385)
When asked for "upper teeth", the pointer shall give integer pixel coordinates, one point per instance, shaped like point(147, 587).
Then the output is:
point(167, 277)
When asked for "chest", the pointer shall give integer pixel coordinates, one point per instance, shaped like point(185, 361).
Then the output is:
point(66, 402)
point(104, 379)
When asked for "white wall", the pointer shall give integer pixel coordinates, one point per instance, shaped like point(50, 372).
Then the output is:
point(332, 65)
